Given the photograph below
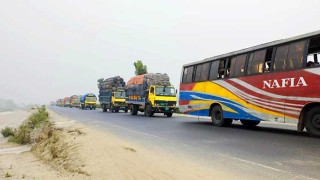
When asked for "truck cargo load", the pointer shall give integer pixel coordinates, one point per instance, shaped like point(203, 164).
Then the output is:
point(112, 94)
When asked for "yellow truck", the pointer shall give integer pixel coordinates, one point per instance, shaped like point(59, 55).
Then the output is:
point(74, 101)
point(88, 101)
point(113, 101)
point(112, 94)
point(151, 93)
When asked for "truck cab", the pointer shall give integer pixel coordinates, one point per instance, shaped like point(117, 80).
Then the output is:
point(118, 101)
point(161, 99)
point(156, 99)
point(88, 101)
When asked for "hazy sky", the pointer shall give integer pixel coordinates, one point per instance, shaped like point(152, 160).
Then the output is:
point(56, 48)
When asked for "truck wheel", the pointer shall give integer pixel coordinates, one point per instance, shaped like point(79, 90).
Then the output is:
point(249, 123)
point(126, 110)
point(148, 111)
point(117, 110)
point(104, 108)
point(111, 108)
point(312, 122)
point(133, 110)
point(169, 114)
point(217, 117)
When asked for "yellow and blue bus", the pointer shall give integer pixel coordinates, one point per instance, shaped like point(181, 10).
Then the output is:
point(277, 81)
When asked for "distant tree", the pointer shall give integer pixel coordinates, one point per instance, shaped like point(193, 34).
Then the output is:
point(100, 80)
point(140, 68)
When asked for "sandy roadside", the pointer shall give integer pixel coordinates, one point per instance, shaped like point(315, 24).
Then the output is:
point(101, 155)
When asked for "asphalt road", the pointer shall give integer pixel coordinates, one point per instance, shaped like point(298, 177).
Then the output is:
point(270, 151)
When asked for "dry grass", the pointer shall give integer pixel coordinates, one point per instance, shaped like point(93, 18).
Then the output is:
point(52, 148)
point(23, 135)
point(7, 131)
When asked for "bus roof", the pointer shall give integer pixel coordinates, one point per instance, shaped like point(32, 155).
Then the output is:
point(261, 46)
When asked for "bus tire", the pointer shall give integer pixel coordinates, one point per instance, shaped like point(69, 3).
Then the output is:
point(312, 122)
point(133, 110)
point(217, 117)
point(249, 123)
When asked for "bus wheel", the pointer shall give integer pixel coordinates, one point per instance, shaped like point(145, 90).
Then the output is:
point(249, 123)
point(133, 110)
point(148, 111)
point(217, 117)
point(169, 114)
point(313, 122)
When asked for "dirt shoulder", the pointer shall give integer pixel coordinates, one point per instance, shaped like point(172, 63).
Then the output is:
point(95, 154)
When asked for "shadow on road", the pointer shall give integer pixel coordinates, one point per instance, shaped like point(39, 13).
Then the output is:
point(257, 129)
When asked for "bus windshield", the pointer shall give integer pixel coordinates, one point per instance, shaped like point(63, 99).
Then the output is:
point(165, 91)
point(120, 95)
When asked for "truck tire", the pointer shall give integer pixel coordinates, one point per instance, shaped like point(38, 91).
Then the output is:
point(111, 108)
point(104, 108)
point(126, 110)
point(312, 121)
point(133, 110)
point(148, 111)
point(169, 114)
point(217, 117)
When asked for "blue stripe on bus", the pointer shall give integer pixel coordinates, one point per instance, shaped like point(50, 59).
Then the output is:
point(241, 114)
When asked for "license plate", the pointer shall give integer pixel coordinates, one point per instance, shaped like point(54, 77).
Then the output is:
point(166, 108)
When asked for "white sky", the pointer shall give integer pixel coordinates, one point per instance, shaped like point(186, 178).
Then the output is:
point(56, 48)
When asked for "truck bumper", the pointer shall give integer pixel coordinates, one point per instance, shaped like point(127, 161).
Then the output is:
point(165, 109)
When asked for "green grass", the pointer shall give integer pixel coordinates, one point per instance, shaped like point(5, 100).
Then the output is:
point(22, 135)
point(7, 131)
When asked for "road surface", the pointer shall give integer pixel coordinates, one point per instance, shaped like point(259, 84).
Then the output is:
point(270, 151)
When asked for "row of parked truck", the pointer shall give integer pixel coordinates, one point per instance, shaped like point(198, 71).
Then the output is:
point(148, 93)
point(87, 101)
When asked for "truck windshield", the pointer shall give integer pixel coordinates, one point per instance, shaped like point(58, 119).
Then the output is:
point(91, 99)
point(165, 91)
point(120, 95)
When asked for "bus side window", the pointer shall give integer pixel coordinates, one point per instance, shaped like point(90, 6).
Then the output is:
point(187, 75)
point(221, 69)
point(214, 70)
point(267, 62)
point(205, 71)
point(228, 68)
point(313, 53)
point(237, 65)
point(198, 73)
point(295, 55)
point(256, 62)
point(280, 58)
